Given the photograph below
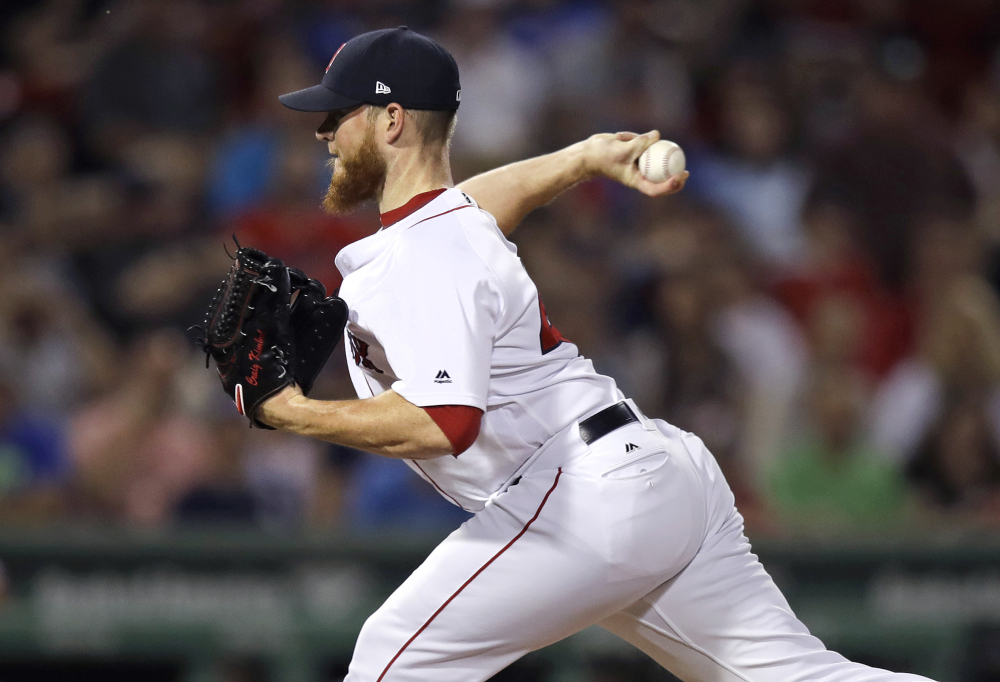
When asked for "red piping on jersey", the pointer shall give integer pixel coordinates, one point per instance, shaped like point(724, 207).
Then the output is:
point(436, 486)
point(474, 576)
point(412, 206)
point(460, 423)
point(457, 208)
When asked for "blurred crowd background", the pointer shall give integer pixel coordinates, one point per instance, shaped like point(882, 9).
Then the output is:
point(820, 304)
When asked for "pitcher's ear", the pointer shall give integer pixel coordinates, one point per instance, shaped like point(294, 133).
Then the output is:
point(396, 121)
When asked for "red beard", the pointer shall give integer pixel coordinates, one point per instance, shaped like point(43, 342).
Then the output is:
point(361, 177)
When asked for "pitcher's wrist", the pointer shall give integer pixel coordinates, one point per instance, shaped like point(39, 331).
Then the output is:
point(279, 410)
point(587, 159)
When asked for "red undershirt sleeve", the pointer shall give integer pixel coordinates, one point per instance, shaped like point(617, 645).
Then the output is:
point(460, 423)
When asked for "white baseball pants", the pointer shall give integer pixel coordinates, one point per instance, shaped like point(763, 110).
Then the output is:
point(636, 532)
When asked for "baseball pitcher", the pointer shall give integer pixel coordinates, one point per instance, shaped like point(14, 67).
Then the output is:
point(585, 510)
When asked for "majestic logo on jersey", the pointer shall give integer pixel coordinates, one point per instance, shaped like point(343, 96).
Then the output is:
point(360, 350)
point(334, 56)
point(442, 377)
point(629, 447)
point(381, 88)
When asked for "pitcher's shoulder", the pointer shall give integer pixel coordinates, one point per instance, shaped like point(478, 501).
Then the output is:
point(457, 224)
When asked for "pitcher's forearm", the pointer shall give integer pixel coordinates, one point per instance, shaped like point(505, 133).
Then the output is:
point(513, 191)
point(387, 425)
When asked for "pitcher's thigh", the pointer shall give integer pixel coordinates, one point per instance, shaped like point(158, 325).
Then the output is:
point(722, 619)
point(509, 581)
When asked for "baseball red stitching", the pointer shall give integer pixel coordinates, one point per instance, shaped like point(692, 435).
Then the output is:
point(666, 161)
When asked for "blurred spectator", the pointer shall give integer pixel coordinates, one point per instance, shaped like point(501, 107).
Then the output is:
point(55, 48)
point(835, 277)
point(331, 486)
point(562, 251)
point(263, 480)
point(160, 79)
point(695, 383)
point(645, 80)
point(829, 478)
point(753, 175)
point(281, 471)
point(957, 467)
point(726, 361)
point(762, 342)
point(135, 451)
point(36, 156)
point(49, 341)
point(386, 494)
point(220, 495)
point(157, 265)
point(247, 160)
point(574, 39)
point(50, 213)
point(37, 194)
point(290, 225)
point(504, 87)
point(957, 339)
point(34, 467)
point(979, 150)
point(898, 170)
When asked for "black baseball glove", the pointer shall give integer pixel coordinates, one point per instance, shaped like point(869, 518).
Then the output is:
point(317, 325)
point(247, 331)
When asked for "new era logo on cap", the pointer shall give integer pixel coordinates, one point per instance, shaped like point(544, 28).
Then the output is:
point(381, 88)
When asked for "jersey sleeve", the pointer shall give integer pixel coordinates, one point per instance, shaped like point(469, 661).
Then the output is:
point(459, 423)
point(441, 305)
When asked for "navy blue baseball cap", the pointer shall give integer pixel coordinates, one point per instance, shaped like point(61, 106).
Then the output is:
point(382, 67)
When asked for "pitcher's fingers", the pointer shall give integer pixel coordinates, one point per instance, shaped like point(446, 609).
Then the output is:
point(678, 181)
point(671, 185)
point(652, 189)
point(641, 143)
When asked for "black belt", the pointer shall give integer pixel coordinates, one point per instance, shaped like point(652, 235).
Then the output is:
point(606, 421)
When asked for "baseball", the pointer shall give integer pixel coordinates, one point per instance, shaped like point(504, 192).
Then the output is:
point(661, 160)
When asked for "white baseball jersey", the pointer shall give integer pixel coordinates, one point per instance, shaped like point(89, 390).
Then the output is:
point(443, 312)
point(636, 530)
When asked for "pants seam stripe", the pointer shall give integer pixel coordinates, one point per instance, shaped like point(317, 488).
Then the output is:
point(474, 576)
